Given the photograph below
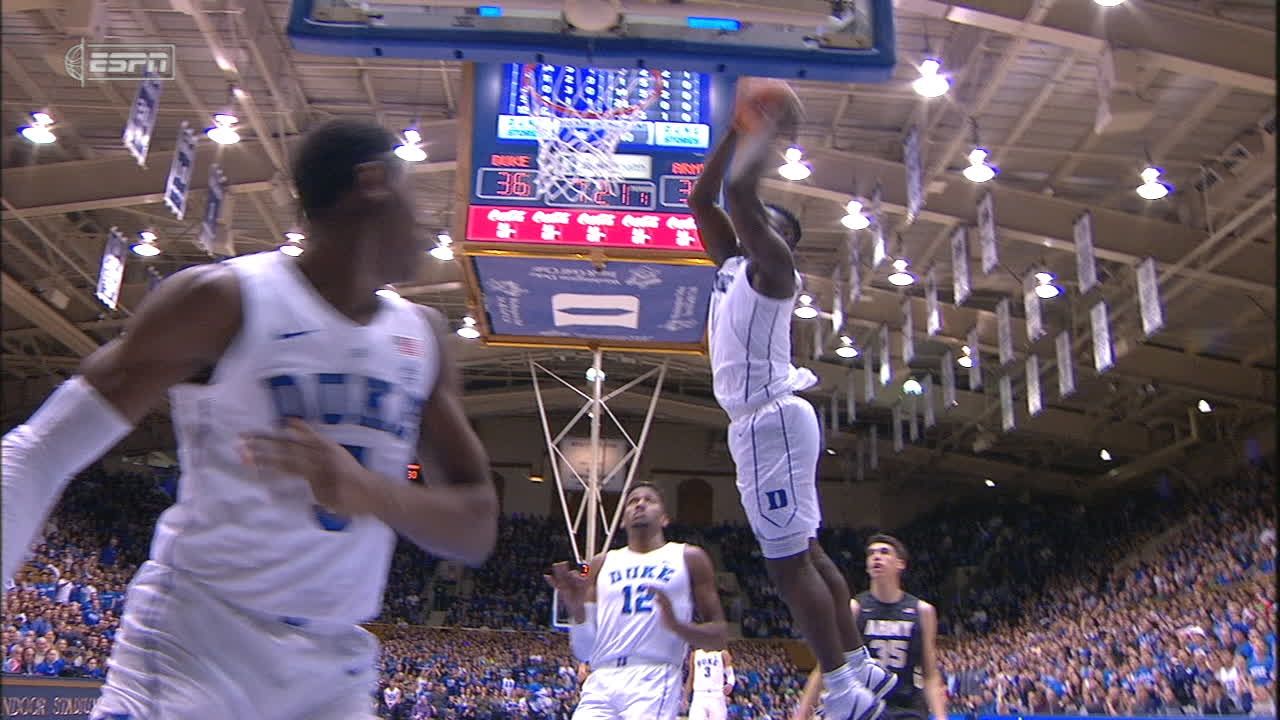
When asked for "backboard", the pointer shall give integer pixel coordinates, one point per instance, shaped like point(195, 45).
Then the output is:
point(845, 41)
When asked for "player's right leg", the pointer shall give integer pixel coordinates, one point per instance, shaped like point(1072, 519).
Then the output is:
point(877, 679)
point(776, 453)
point(595, 701)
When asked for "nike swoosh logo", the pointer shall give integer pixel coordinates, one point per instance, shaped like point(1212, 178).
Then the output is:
point(297, 333)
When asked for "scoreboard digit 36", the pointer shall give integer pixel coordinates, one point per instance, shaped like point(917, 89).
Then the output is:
point(618, 266)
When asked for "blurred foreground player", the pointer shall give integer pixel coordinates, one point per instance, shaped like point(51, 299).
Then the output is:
point(299, 397)
point(633, 616)
point(902, 632)
point(774, 436)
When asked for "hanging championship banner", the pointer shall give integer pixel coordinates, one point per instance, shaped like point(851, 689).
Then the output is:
point(1103, 358)
point(897, 428)
point(987, 233)
point(975, 358)
point(868, 376)
point(948, 381)
point(933, 312)
point(929, 418)
point(834, 414)
point(1031, 306)
point(1006, 403)
point(178, 183)
point(855, 266)
point(874, 444)
point(860, 448)
point(1086, 266)
point(837, 303)
point(1149, 298)
point(142, 119)
point(850, 401)
point(908, 333)
point(1066, 364)
point(111, 274)
point(886, 363)
point(878, 251)
point(915, 187)
point(960, 264)
point(817, 341)
point(1034, 401)
point(1004, 331)
point(212, 208)
point(913, 424)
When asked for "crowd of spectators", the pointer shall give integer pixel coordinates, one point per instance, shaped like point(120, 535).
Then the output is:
point(1153, 602)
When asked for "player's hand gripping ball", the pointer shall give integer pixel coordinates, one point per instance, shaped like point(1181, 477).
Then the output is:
point(766, 104)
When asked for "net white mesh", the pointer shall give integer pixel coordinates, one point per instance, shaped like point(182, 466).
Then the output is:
point(581, 115)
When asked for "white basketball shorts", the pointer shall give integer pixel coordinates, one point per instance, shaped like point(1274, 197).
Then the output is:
point(775, 450)
point(708, 706)
point(183, 654)
point(636, 692)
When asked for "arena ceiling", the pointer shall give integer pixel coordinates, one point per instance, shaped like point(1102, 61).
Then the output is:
point(1201, 103)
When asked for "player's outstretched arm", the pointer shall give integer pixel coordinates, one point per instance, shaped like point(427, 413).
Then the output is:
point(772, 269)
point(179, 329)
point(935, 692)
point(714, 226)
point(457, 516)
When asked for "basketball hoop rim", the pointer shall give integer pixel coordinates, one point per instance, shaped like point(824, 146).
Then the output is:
point(568, 112)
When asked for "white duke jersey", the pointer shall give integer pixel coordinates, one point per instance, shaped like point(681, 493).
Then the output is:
point(750, 344)
point(708, 671)
point(628, 622)
point(257, 538)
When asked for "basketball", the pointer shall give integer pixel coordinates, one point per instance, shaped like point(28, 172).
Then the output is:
point(761, 100)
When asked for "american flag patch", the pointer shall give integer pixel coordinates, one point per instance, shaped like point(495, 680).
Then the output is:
point(408, 346)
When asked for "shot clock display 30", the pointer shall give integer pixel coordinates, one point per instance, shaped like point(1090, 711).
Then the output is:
point(661, 159)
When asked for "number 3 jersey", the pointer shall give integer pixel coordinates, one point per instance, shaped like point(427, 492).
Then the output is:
point(893, 636)
point(256, 537)
point(629, 628)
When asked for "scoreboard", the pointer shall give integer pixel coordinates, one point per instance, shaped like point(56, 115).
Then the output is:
point(660, 158)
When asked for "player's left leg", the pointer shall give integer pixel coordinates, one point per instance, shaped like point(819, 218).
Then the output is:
point(332, 672)
point(652, 693)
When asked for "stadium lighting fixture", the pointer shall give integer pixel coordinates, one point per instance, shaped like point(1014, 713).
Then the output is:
point(795, 168)
point(468, 329)
point(806, 310)
point(1151, 187)
point(930, 84)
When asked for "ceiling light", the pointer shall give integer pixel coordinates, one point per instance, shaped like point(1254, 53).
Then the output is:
point(989, 482)
point(146, 246)
point(1151, 187)
point(930, 84)
point(387, 292)
point(1204, 406)
point(1045, 289)
point(444, 247)
point(291, 249)
point(979, 170)
point(411, 150)
point(38, 131)
point(846, 349)
point(912, 387)
point(854, 219)
point(900, 276)
point(831, 451)
point(294, 236)
point(795, 167)
point(223, 131)
point(468, 329)
point(806, 310)
point(1109, 3)
point(594, 375)
point(965, 361)
point(1105, 455)
point(535, 478)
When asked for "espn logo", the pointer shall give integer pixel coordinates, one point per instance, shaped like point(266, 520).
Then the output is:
point(120, 61)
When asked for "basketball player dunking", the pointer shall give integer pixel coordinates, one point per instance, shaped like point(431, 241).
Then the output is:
point(774, 436)
point(902, 631)
point(299, 397)
point(709, 684)
point(633, 616)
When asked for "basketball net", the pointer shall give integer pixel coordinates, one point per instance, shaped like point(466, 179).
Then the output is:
point(581, 115)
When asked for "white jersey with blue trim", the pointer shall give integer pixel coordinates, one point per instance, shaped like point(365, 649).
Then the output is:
point(750, 343)
point(629, 628)
point(256, 538)
point(708, 671)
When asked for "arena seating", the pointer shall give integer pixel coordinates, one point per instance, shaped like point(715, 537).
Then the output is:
point(1152, 603)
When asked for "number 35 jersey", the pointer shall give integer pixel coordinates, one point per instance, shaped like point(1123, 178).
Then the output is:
point(894, 638)
point(256, 537)
point(629, 628)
